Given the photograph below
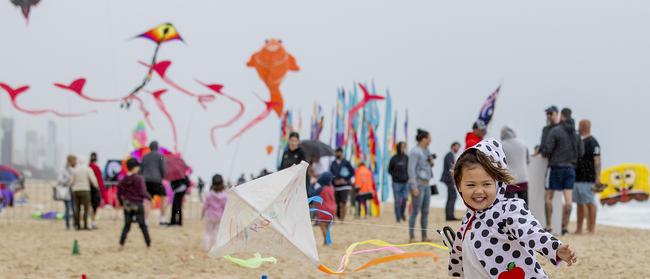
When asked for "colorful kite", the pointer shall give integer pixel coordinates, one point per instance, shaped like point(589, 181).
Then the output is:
point(160, 34)
point(25, 6)
point(272, 63)
point(14, 93)
point(624, 183)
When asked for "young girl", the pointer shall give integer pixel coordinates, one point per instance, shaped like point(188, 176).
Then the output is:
point(132, 192)
point(328, 205)
point(498, 235)
point(213, 207)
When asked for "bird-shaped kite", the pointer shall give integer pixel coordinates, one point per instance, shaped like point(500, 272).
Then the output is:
point(217, 89)
point(25, 6)
point(77, 87)
point(14, 93)
point(162, 33)
point(161, 69)
point(157, 96)
point(272, 63)
point(269, 107)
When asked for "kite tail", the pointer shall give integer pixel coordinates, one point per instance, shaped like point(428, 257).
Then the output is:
point(277, 100)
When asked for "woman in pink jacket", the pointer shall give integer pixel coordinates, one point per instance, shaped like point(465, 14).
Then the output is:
point(213, 207)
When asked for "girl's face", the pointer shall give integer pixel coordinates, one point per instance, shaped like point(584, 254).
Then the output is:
point(477, 187)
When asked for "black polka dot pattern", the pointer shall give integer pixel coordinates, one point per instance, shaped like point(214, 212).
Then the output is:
point(504, 232)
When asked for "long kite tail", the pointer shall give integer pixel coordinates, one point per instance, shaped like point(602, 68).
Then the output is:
point(276, 98)
point(14, 93)
point(147, 77)
point(77, 86)
point(161, 69)
point(253, 122)
point(217, 89)
point(143, 109)
point(161, 105)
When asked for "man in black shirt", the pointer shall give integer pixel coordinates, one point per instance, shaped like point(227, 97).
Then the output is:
point(587, 174)
point(449, 161)
point(343, 173)
point(294, 154)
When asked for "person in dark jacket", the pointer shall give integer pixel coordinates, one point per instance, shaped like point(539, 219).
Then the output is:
point(552, 120)
point(398, 170)
point(562, 148)
point(294, 154)
point(154, 169)
point(343, 173)
point(131, 193)
point(447, 178)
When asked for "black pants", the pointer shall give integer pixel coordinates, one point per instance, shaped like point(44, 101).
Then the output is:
point(139, 217)
point(522, 195)
point(180, 188)
point(451, 201)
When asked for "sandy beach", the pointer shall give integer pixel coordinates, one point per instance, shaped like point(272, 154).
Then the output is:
point(43, 249)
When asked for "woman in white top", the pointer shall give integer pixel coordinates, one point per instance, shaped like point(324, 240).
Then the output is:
point(82, 179)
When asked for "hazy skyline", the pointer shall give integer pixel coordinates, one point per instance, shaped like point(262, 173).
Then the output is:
point(439, 59)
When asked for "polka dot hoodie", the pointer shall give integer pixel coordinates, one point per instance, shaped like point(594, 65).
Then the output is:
point(504, 233)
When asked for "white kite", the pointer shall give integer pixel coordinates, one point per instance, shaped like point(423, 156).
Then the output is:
point(269, 215)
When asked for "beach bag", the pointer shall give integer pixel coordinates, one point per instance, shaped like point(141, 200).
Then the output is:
point(61, 193)
point(434, 190)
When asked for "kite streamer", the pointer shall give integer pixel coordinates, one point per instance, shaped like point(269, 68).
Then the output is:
point(269, 107)
point(254, 262)
point(400, 255)
point(14, 93)
point(157, 95)
point(161, 69)
point(217, 89)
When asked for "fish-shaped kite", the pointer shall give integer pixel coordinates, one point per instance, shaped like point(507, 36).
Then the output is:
point(15, 92)
point(272, 63)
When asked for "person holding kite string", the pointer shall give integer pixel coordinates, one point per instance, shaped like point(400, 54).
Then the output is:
point(498, 236)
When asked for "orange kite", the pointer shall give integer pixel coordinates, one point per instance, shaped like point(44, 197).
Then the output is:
point(272, 63)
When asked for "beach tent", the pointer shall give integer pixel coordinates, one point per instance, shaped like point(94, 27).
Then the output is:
point(269, 215)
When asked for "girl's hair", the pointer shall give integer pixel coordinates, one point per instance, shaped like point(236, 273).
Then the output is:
point(71, 161)
point(217, 183)
point(421, 134)
point(472, 158)
point(399, 147)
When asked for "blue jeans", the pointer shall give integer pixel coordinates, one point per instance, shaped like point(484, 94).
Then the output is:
point(420, 204)
point(400, 195)
point(67, 212)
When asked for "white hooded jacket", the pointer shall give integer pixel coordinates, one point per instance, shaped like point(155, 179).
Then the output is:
point(504, 233)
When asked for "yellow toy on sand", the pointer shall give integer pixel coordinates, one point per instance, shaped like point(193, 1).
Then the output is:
point(625, 182)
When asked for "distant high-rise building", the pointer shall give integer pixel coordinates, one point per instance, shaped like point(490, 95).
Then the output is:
point(7, 143)
point(31, 148)
point(51, 153)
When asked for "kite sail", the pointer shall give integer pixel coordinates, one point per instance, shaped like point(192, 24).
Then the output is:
point(269, 215)
point(272, 63)
point(160, 34)
point(15, 92)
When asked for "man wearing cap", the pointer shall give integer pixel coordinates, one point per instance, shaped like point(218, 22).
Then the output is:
point(479, 129)
point(552, 120)
point(343, 173)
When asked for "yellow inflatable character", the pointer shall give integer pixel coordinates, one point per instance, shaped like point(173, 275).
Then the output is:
point(624, 183)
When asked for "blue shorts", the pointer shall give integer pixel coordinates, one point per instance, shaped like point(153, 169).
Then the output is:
point(561, 178)
point(582, 193)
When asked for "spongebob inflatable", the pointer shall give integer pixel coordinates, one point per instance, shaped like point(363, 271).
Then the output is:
point(625, 182)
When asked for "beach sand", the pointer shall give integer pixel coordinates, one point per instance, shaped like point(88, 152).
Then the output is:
point(43, 249)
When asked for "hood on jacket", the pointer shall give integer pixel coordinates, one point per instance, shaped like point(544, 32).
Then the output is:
point(494, 151)
point(569, 125)
point(507, 133)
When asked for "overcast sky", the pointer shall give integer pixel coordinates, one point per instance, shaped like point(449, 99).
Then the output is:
point(440, 59)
